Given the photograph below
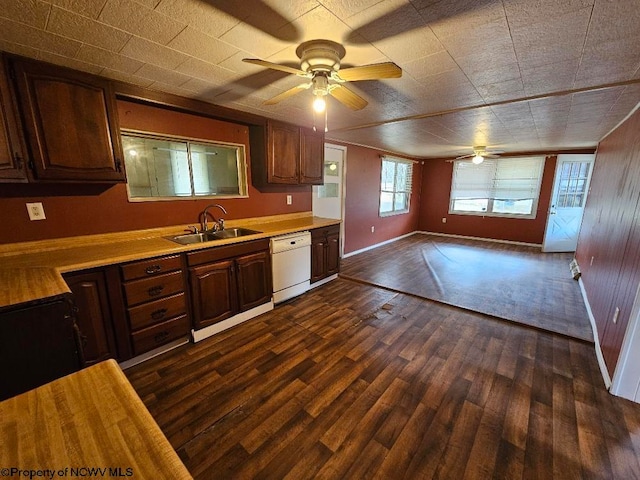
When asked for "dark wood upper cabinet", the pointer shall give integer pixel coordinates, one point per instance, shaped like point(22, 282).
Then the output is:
point(11, 157)
point(70, 123)
point(311, 157)
point(284, 154)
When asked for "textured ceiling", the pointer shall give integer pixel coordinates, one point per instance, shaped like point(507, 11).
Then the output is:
point(515, 75)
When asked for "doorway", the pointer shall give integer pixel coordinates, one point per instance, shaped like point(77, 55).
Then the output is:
point(328, 199)
point(570, 189)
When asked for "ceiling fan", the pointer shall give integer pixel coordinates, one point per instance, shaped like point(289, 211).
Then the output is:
point(479, 154)
point(320, 63)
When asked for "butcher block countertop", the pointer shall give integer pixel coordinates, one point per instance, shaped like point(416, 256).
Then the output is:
point(91, 419)
point(31, 271)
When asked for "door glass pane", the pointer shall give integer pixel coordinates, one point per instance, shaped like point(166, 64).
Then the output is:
point(573, 184)
point(331, 169)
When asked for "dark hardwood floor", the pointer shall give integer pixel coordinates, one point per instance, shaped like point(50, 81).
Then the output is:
point(350, 381)
point(513, 282)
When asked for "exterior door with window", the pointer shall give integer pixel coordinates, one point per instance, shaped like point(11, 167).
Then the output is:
point(570, 189)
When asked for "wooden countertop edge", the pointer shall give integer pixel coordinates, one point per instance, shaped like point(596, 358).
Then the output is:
point(28, 275)
point(108, 418)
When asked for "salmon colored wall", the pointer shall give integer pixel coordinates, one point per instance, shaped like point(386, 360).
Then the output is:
point(363, 198)
point(81, 210)
point(436, 189)
point(609, 244)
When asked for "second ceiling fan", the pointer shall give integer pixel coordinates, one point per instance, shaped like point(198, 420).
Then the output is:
point(320, 63)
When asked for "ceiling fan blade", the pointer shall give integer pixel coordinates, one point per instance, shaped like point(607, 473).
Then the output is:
point(465, 156)
point(347, 97)
point(275, 66)
point(286, 94)
point(370, 72)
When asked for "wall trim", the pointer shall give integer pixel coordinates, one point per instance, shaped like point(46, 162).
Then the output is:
point(241, 317)
point(483, 239)
point(371, 247)
point(626, 377)
point(601, 363)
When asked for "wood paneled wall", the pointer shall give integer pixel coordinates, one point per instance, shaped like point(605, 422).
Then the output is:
point(609, 244)
point(436, 192)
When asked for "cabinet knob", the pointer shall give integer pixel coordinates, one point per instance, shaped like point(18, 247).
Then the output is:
point(153, 269)
point(158, 314)
point(160, 337)
point(155, 291)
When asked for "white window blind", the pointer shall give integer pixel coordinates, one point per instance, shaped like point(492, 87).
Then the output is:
point(396, 180)
point(505, 186)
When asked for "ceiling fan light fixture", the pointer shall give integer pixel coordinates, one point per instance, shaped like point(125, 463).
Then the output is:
point(477, 159)
point(319, 103)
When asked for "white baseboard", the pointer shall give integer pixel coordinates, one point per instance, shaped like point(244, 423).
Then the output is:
point(153, 353)
point(601, 362)
point(323, 281)
point(495, 240)
point(241, 317)
point(371, 247)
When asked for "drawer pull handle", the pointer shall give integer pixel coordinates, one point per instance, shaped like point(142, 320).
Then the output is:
point(160, 337)
point(153, 269)
point(154, 291)
point(158, 314)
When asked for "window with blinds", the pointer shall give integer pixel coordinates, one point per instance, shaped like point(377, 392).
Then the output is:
point(395, 186)
point(497, 187)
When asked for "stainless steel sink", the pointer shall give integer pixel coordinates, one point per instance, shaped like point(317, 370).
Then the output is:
point(191, 238)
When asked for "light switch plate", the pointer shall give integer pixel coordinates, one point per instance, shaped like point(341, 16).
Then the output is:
point(289, 200)
point(36, 211)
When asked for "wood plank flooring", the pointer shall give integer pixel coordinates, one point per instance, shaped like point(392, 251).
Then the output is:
point(350, 381)
point(513, 282)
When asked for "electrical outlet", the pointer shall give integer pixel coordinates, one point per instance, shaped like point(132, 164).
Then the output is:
point(36, 211)
point(373, 229)
point(444, 219)
point(289, 200)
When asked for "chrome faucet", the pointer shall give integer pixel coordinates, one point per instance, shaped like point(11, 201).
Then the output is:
point(219, 223)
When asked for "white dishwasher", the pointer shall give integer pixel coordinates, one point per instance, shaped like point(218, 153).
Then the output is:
point(291, 265)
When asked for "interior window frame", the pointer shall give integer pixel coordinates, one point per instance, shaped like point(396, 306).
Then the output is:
point(241, 162)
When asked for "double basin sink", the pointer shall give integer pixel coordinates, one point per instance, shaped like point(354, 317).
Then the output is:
point(211, 236)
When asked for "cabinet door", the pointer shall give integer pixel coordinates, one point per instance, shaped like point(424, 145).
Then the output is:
point(93, 316)
point(311, 157)
point(70, 123)
point(37, 346)
point(254, 280)
point(333, 253)
point(213, 293)
point(11, 158)
point(318, 259)
point(283, 153)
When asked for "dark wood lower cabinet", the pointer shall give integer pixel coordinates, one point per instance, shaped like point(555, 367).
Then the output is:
point(38, 344)
point(213, 292)
point(93, 316)
point(325, 252)
point(228, 280)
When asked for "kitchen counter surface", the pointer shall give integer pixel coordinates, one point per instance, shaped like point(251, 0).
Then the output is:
point(31, 271)
point(89, 419)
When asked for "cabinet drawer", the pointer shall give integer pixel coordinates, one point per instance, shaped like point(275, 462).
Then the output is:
point(156, 311)
point(215, 254)
point(149, 267)
point(156, 335)
point(323, 232)
point(153, 288)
